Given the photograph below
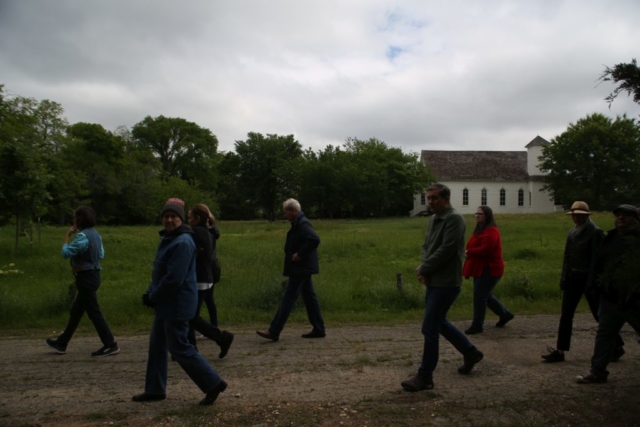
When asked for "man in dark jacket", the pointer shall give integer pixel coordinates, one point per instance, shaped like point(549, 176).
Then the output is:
point(300, 262)
point(615, 273)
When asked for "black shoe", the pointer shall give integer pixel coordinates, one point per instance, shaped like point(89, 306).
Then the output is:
point(553, 356)
point(57, 346)
point(148, 397)
point(268, 335)
point(618, 352)
point(107, 350)
point(590, 378)
point(504, 320)
point(213, 394)
point(314, 334)
point(470, 360)
point(227, 339)
point(474, 330)
point(418, 383)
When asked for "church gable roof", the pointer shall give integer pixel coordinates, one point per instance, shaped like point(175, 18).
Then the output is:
point(537, 141)
point(477, 165)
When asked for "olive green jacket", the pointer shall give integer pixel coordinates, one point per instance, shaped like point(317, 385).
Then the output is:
point(443, 250)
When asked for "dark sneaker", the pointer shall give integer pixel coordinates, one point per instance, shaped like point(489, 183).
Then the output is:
point(470, 361)
point(106, 350)
point(58, 347)
point(314, 334)
point(504, 320)
point(618, 352)
point(553, 356)
point(148, 397)
point(268, 335)
point(213, 394)
point(590, 378)
point(418, 383)
point(227, 339)
point(474, 330)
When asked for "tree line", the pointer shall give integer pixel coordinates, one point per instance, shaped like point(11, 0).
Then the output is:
point(48, 167)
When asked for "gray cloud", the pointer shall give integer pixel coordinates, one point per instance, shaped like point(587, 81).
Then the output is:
point(416, 74)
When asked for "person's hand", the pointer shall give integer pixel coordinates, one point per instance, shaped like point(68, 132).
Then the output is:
point(72, 230)
point(146, 301)
point(295, 257)
point(423, 280)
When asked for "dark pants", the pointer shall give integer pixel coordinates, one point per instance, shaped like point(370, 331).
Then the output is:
point(209, 330)
point(206, 296)
point(87, 283)
point(612, 319)
point(573, 291)
point(435, 323)
point(296, 286)
point(483, 298)
point(171, 336)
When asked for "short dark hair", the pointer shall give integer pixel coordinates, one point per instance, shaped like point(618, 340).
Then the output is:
point(85, 217)
point(442, 190)
point(489, 220)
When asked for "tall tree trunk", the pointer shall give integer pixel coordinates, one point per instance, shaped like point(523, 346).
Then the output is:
point(17, 244)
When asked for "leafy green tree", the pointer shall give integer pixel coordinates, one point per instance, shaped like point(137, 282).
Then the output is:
point(97, 155)
point(185, 149)
point(233, 202)
point(628, 75)
point(596, 160)
point(23, 174)
point(267, 170)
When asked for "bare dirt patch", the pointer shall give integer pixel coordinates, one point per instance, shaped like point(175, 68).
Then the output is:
point(352, 377)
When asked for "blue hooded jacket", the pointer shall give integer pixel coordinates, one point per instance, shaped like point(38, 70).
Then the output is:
point(173, 289)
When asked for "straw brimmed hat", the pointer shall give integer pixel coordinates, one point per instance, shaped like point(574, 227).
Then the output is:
point(580, 208)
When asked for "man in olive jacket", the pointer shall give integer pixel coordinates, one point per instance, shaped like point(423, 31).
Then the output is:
point(441, 273)
point(300, 262)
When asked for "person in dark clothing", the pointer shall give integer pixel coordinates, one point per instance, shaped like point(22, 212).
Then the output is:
point(86, 252)
point(579, 254)
point(174, 296)
point(300, 263)
point(198, 217)
point(615, 274)
point(207, 297)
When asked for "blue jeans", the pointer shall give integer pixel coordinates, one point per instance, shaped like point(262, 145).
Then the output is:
point(483, 298)
point(171, 336)
point(296, 286)
point(435, 323)
point(612, 319)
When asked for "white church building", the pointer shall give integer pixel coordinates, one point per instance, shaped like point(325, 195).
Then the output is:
point(507, 181)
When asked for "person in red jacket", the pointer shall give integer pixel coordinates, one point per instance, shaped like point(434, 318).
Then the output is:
point(484, 263)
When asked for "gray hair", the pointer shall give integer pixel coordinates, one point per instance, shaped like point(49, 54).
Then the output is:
point(443, 190)
point(291, 205)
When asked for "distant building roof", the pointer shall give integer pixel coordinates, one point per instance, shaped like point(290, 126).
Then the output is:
point(477, 165)
point(537, 141)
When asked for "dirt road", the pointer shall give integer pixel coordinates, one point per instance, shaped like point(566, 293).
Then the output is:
point(352, 377)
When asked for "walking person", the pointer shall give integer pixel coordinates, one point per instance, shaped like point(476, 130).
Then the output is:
point(198, 218)
point(174, 295)
point(85, 252)
point(300, 263)
point(441, 272)
point(485, 264)
point(615, 274)
point(580, 249)
point(208, 298)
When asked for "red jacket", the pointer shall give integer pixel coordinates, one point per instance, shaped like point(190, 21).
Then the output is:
point(484, 250)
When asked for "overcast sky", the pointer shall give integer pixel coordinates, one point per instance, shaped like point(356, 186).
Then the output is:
point(452, 75)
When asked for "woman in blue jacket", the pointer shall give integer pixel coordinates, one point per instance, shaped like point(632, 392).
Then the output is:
point(85, 253)
point(174, 295)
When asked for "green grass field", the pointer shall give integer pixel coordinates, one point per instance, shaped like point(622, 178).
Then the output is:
point(359, 261)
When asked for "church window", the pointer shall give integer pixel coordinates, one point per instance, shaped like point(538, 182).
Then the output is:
point(465, 197)
point(483, 197)
point(503, 197)
point(520, 197)
point(423, 199)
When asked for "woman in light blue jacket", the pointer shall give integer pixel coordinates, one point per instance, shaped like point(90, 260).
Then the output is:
point(85, 253)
